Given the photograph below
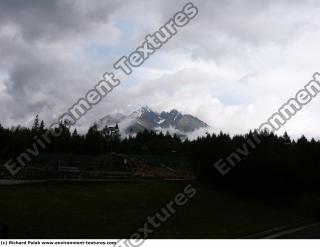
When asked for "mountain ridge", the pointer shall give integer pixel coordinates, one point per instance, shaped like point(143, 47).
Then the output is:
point(145, 118)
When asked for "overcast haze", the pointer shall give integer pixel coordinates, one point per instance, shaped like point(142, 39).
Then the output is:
point(232, 66)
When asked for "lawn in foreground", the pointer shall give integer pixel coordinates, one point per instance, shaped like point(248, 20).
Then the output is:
point(116, 210)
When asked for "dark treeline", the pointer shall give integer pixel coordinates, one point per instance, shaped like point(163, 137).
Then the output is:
point(15, 140)
point(277, 165)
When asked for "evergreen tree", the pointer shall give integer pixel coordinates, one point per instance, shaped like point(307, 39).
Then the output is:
point(35, 125)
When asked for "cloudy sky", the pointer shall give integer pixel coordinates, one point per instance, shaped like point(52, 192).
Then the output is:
point(232, 66)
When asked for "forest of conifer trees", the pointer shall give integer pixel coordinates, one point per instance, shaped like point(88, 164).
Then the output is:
point(278, 164)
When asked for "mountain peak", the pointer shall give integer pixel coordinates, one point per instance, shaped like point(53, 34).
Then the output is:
point(142, 110)
point(145, 118)
point(146, 109)
point(174, 111)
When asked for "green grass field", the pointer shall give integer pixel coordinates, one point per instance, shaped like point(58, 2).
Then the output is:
point(116, 210)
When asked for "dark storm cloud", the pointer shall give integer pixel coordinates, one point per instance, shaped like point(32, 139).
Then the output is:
point(39, 19)
point(34, 35)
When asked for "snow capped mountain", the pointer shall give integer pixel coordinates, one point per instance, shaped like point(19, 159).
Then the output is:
point(146, 118)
